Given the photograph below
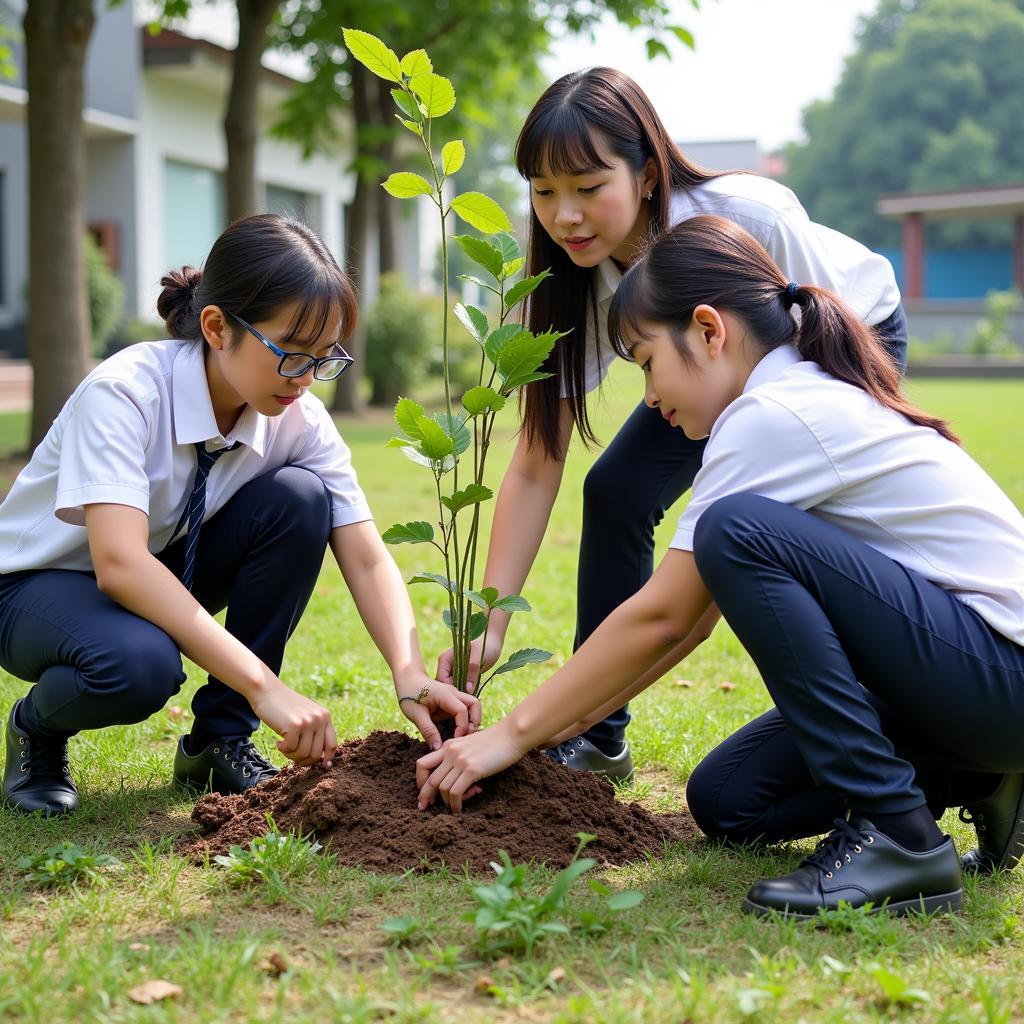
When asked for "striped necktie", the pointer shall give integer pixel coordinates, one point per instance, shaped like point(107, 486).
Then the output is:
point(196, 506)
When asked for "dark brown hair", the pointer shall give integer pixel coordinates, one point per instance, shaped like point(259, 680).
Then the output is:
point(559, 138)
point(256, 266)
point(712, 260)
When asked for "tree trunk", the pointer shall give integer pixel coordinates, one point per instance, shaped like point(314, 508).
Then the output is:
point(59, 336)
point(241, 128)
point(362, 215)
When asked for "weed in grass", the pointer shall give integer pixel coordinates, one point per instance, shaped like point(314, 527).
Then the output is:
point(271, 858)
point(400, 930)
point(67, 865)
point(896, 991)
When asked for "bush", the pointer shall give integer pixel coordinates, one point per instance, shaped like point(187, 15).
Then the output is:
point(400, 338)
point(106, 297)
point(991, 335)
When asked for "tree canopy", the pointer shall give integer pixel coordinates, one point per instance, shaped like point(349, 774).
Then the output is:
point(931, 98)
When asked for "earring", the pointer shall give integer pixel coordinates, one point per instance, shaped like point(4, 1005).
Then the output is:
point(650, 194)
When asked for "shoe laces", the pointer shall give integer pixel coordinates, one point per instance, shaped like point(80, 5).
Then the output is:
point(566, 749)
point(47, 758)
point(838, 848)
point(975, 818)
point(242, 753)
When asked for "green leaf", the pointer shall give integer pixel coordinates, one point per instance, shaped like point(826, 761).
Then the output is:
point(684, 35)
point(473, 320)
point(453, 156)
point(524, 354)
point(374, 54)
point(477, 625)
point(409, 533)
point(625, 900)
point(521, 289)
point(508, 245)
point(407, 412)
point(406, 104)
point(525, 656)
point(486, 255)
point(405, 185)
point(519, 380)
point(435, 443)
point(656, 48)
point(411, 125)
point(436, 93)
point(563, 880)
point(489, 594)
point(434, 577)
point(478, 282)
point(416, 62)
point(513, 603)
point(599, 887)
point(478, 400)
point(501, 337)
point(481, 212)
point(475, 598)
point(456, 429)
point(398, 442)
point(442, 466)
point(512, 268)
point(471, 495)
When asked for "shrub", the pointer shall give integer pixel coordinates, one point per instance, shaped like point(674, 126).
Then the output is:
point(401, 330)
point(106, 297)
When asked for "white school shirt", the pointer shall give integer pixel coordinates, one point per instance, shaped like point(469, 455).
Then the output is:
point(806, 252)
point(126, 437)
point(802, 437)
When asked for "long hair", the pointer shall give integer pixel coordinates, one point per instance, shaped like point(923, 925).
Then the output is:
point(256, 266)
point(558, 138)
point(711, 260)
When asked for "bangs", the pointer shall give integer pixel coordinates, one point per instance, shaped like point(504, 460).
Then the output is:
point(628, 313)
point(324, 299)
point(559, 141)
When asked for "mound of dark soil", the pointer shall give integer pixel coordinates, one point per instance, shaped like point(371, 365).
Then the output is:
point(364, 807)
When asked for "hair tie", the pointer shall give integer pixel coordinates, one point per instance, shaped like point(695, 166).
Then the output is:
point(790, 293)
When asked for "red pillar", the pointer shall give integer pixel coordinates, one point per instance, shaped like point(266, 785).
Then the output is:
point(913, 256)
point(1017, 267)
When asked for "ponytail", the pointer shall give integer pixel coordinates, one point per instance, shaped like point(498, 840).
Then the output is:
point(712, 260)
point(832, 336)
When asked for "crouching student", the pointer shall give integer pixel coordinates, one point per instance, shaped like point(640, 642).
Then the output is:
point(181, 478)
point(872, 570)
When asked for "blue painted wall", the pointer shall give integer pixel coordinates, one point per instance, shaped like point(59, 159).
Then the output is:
point(960, 273)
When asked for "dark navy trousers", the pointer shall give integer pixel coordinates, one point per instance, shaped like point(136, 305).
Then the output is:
point(94, 663)
point(646, 469)
point(890, 692)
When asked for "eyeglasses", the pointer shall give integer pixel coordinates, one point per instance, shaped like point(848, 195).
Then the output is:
point(297, 364)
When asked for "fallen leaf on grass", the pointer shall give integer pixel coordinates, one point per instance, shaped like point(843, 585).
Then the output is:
point(275, 965)
point(485, 985)
point(727, 686)
point(138, 947)
point(683, 682)
point(154, 991)
point(555, 975)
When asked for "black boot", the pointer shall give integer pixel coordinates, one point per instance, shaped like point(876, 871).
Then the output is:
point(224, 766)
point(37, 776)
point(999, 822)
point(858, 864)
point(581, 755)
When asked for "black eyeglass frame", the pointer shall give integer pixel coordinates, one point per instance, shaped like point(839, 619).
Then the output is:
point(344, 359)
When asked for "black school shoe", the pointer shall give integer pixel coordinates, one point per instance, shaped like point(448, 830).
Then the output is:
point(37, 776)
point(581, 755)
point(224, 766)
point(858, 864)
point(999, 822)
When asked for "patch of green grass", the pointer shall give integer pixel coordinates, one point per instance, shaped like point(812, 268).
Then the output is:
point(686, 953)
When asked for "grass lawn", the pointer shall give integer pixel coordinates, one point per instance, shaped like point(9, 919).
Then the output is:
point(686, 954)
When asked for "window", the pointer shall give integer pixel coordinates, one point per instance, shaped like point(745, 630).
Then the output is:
point(194, 212)
point(289, 202)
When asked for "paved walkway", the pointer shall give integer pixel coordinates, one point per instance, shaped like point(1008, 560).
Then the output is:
point(15, 385)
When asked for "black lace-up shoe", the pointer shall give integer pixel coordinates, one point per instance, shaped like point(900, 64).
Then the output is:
point(581, 755)
point(224, 766)
point(999, 822)
point(858, 864)
point(37, 776)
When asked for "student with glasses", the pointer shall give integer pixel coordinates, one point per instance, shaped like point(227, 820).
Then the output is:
point(184, 477)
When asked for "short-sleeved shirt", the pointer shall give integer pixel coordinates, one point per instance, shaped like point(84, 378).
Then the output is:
point(802, 437)
point(127, 437)
point(806, 252)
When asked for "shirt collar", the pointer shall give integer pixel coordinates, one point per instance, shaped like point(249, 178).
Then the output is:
point(608, 279)
point(773, 364)
point(194, 420)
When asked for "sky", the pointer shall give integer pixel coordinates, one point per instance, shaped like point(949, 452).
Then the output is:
point(756, 65)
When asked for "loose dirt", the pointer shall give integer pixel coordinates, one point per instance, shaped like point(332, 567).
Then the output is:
point(364, 809)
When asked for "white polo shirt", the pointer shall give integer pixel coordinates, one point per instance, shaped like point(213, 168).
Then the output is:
point(126, 437)
point(801, 437)
point(806, 252)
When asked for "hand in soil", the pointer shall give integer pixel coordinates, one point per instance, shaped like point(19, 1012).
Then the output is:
point(442, 702)
point(453, 770)
point(307, 735)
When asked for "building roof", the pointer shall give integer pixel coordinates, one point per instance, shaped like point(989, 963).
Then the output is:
point(979, 201)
